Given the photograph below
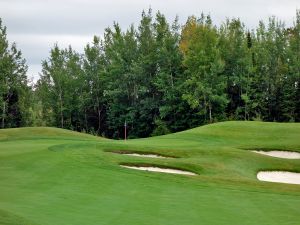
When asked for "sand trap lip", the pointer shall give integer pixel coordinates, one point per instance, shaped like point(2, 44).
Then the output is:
point(159, 169)
point(280, 154)
point(146, 155)
point(279, 177)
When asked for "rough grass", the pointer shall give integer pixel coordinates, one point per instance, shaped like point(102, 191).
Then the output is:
point(53, 176)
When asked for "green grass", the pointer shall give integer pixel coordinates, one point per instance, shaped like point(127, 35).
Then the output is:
point(51, 176)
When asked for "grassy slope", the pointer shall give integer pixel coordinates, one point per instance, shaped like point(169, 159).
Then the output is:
point(53, 176)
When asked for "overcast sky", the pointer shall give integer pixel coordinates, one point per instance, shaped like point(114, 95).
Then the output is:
point(35, 25)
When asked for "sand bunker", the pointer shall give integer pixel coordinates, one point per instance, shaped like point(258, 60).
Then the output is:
point(147, 155)
point(144, 155)
point(280, 154)
point(160, 170)
point(279, 176)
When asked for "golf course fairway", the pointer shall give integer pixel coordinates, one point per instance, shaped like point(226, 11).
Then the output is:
point(52, 176)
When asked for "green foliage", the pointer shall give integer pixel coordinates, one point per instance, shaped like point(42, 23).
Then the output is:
point(160, 128)
point(159, 72)
point(160, 80)
point(59, 87)
point(14, 92)
point(204, 85)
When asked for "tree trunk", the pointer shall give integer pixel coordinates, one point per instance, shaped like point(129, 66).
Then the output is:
point(172, 81)
point(3, 114)
point(99, 120)
point(85, 120)
point(99, 115)
point(61, 111)
point(210, 116)
point(245, 116)
point(205, 108)
point(171, 75)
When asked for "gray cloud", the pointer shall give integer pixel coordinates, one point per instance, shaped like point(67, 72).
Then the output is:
point(36, 25)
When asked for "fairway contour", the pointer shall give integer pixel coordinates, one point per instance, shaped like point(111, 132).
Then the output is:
point(159, 169)
point(280, 154)
point(209, 176)
point(279, 177)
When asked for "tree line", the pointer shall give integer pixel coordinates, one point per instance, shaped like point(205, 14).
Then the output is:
point(14, 89)
point(161, 77)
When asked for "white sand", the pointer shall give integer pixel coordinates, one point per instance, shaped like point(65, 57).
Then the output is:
point(161, 170)
point(144, 155)
point(279, 176)
point(281, 154)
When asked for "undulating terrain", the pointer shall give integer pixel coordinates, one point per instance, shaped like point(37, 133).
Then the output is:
point(51, 176)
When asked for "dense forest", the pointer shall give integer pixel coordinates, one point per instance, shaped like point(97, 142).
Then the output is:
point(159, 77)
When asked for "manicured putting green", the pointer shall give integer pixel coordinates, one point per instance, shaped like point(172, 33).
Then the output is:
point(53, 176)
